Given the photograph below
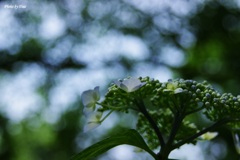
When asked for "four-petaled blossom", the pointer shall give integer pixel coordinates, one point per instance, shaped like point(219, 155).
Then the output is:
point(130, 85)
point(208, 136)
point(89, 99)
point(173, 87)
point(94, 120)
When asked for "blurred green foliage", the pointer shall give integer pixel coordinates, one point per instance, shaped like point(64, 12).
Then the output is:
point(208, 35)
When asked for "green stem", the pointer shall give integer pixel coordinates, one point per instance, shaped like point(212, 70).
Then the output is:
point(191, 138)
point(114, 108)
point(164, 153)
point(176, 125)
point(178, 118)
point(143, 110)
point(106, 116)
point(195, 110)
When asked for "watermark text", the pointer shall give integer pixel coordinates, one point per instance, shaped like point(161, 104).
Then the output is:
point(14, 6)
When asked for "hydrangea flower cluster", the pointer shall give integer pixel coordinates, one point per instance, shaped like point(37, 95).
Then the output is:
point(167, 107)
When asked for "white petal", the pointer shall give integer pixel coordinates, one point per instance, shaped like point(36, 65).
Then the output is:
point(96, 93)
point(172, 85)
point(208, 135)
point(93, 121)
point(87, 97)
point(90, 97)
point(178, 90)
point(88, 110)
point(136, 88)
point(124, 87)
point(131, 83)
point(94, 117)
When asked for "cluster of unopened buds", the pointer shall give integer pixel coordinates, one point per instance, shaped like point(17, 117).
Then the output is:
point(162, 105)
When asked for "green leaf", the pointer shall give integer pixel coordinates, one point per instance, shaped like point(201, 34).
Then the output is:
point(130, 137)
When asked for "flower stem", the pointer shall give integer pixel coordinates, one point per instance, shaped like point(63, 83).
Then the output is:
point(191, 138)
point(165, 151)
point(144, 111)
point(106, 116)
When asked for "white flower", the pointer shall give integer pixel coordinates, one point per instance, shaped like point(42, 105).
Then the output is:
point(93, 121)
point(130, 85)
point(208, 135)
point(89, 99)
point(173, 87)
